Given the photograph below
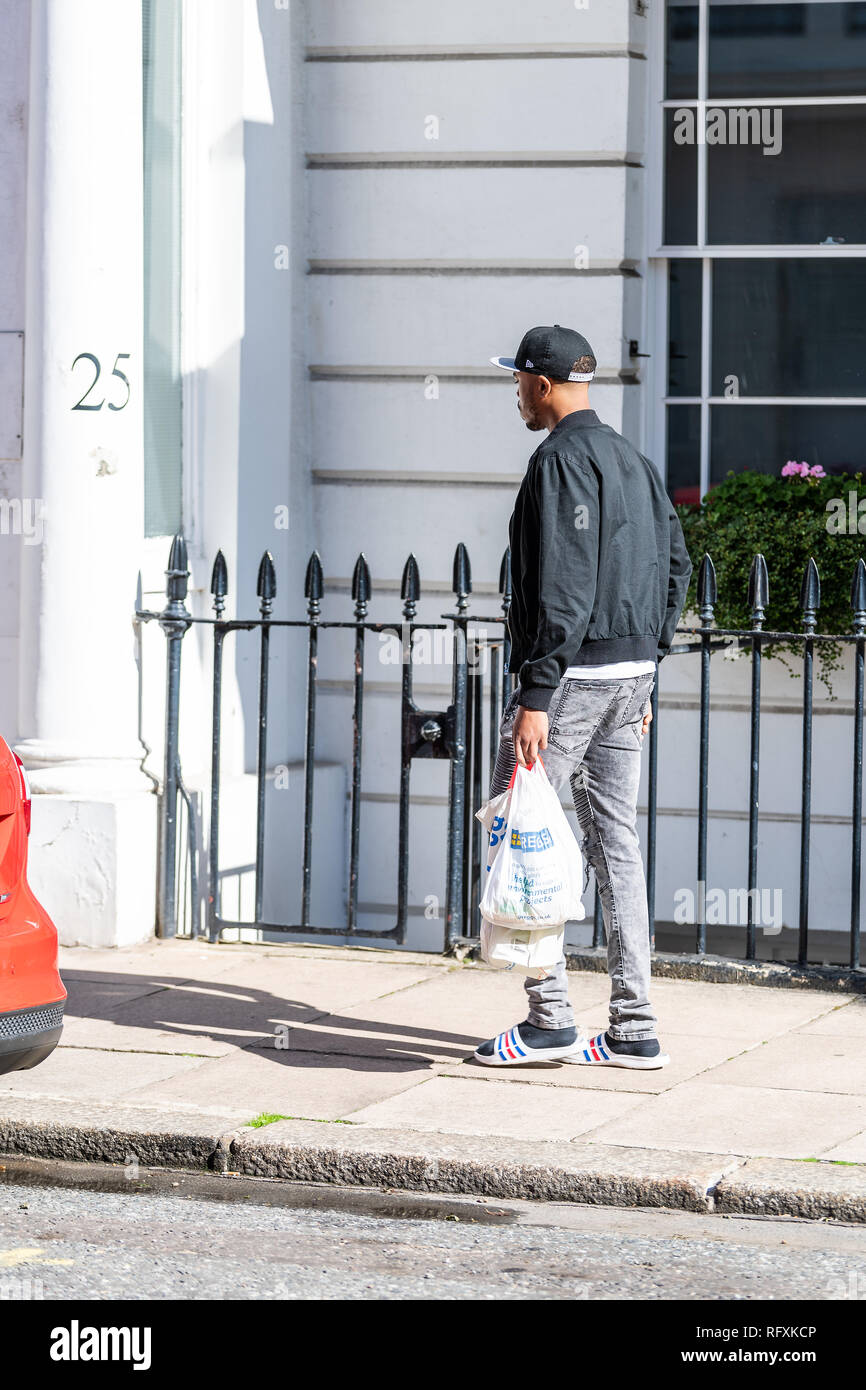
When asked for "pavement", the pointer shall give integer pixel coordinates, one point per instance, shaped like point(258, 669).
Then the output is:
point(355, 1066)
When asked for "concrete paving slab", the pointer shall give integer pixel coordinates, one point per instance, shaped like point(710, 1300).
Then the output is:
point(93, 998)
point(465, 1106)
point(164, 959)
point(336, 1034)
point(370, 955)
point(220, 1011)
point(300, 1084)
point(818, 1191)
point(496, 1167)
point(106, 1034)
point(82, 1073)
point(851, 1150)
point(800, 1062)
point(737, 1011)
point(690, 1058)
point(183, 958)
point(848, 1020)
point(316, 986)
point(258, 1001)
point(754, 1121)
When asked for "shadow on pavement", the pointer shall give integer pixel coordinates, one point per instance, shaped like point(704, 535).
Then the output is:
point(250, 1018)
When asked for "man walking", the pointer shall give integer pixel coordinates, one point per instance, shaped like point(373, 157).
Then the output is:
point(599, 577)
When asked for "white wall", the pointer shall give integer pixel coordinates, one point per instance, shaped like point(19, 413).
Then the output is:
point(14, 63)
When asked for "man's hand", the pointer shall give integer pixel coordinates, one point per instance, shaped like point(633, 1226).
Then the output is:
point(529, 734)
point(647, 720)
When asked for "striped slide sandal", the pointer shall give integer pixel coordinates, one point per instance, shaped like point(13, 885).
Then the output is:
point(597, 1052)
point(510, 1049)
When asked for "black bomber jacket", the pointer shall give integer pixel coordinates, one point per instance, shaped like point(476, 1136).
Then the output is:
point(598, 562)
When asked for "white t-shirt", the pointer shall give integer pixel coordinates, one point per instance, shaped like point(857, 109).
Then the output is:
point(613, 671)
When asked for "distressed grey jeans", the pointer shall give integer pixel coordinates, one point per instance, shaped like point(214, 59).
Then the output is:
point(594, 743)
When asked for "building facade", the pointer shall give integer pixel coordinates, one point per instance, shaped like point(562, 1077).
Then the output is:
point(258, 256)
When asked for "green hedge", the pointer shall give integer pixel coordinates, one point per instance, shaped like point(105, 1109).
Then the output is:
point(787, 520)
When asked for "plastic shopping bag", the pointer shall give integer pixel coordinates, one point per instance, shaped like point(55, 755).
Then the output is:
point(534, 866)
point(535, 953)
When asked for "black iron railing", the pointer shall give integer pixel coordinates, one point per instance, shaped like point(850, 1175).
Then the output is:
point(756, 638)
point(480, 686)
point(424, 734)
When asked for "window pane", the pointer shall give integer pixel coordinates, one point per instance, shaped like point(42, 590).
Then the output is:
point(684, 328)
point(681, 188)
point(764, 437)
point(812, 189)
point(789, 328)
point(681, 50)
point(162, 373)
point(684, 453)
point(787, 50)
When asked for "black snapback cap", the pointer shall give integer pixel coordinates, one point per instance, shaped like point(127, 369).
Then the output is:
point(552, 352)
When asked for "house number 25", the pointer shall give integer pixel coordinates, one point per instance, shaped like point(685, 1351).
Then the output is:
point(115, 371)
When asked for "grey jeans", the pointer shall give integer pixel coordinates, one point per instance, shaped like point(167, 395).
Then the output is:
point(594, 743)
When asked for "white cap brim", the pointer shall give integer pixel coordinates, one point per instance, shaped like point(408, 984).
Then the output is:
point(506, 363)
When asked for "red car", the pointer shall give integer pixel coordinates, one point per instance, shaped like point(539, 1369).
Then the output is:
point(32, 995)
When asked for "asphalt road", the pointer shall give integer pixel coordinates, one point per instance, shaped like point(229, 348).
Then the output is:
point(102, 1235)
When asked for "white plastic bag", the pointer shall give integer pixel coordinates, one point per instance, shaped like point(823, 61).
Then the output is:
point(534, 867)
point(534, 952)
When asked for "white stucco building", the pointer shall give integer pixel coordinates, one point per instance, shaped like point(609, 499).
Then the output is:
point(257, 256)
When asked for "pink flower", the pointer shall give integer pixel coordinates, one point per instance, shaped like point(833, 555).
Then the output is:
point(792, 469)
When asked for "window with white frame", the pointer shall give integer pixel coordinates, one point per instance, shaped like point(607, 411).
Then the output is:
point(762, 236)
